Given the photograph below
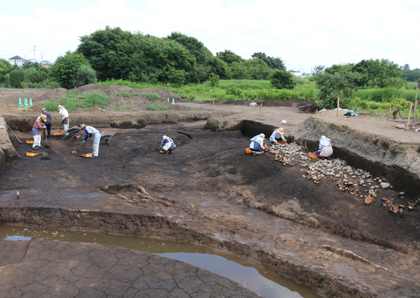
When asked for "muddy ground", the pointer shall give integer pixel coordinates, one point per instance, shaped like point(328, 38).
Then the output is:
point(209, 191)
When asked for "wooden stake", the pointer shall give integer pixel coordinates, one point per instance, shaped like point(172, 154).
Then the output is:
point(213, 104)
point(409, 114)
point(260, 110)
point(415, 103)
point(316, 112)
point(338, 105)
point(389, 112)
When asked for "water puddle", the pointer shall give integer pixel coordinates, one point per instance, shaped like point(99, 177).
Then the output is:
point(258, 279)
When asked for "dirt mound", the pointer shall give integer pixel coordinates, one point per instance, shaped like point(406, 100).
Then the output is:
point(294, 102)
point(57, 93)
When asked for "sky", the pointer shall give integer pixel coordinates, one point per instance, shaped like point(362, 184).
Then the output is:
point(302, 33)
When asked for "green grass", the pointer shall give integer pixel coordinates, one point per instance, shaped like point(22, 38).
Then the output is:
point(156, 107)
point(123, 108)
point(72, 101)
point(152, 95)
point(124, 93)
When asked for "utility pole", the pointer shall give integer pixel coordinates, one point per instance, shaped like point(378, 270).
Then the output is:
point(34, 53)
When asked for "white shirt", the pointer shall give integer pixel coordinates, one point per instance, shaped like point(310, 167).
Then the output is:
point(63, 112)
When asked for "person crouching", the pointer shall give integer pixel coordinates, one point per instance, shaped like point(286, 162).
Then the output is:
point(257, 144)
point(325, 148)
point(167, 145)
point(277, 135)
point(36, 131)
point(91, 132)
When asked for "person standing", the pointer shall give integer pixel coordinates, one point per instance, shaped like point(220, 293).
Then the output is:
point(167, 145)
point(325, 148)
point(257, 144)
point(65, 120)
point(277, 135)
point(36, 131)
point(91, 132)
point(47, 123)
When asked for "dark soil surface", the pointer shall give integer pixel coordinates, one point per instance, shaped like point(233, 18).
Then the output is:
point(209, 182)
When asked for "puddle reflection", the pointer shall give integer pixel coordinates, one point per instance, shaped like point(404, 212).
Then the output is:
point(261, 281)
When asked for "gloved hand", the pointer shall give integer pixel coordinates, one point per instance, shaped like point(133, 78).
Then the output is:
point(83, 142)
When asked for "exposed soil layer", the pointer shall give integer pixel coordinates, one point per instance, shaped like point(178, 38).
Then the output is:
point(208, 191)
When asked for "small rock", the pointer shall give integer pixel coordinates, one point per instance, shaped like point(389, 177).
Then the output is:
point(385, 185)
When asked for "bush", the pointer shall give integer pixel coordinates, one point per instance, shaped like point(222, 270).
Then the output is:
point(7, 80)
point(156, 107)
point(91, 98)
point(50, 105)
point(214, 80)
point(152, 95)
point(85, 75)
point(282, 80)
point(16, 78)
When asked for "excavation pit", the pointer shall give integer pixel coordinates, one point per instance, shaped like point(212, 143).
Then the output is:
point(210, 192)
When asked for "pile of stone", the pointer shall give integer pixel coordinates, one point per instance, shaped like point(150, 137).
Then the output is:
point(356, 182)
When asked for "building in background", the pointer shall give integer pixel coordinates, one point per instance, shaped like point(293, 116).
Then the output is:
point(46, 64)
point(17, 60)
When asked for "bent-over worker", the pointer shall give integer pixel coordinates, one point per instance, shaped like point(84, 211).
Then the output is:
point(91, 132)
point(65, 120)
point(257, 144)
point(325, 148)
point(277, 135)
point(47, 123)
point(36, 131)
point(167, 145)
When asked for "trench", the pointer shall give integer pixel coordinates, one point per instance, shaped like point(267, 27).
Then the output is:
point(163, 229)
point(257, 279)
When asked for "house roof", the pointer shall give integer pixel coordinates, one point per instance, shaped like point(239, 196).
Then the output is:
point(46, 62)
point(16, 58)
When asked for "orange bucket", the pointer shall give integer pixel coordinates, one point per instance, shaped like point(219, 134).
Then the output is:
point(248, 151)
point(29, 142)
point(161, 151)
point(313, 155)
point(58, 133)
point(31, 154)
point(282, 142)
point(86, 155)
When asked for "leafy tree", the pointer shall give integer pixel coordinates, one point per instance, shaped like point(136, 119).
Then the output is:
point(376, 72)
point(119, 54)
point(406, 67)
point(193, 45)
point(65, 69)
point(16, 78)
point(257, 69)
point(5, 67)
point(239, 70)
point(202, 72)
point(411, 75)
point(214, 80)
point(339, 67)
point(229, 57)
point(282, 80)
point(273, 63)
point(85, 75)
point(218, 67)
point(341, 84)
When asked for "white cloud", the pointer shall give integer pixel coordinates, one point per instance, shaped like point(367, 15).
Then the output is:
point(303, 33)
